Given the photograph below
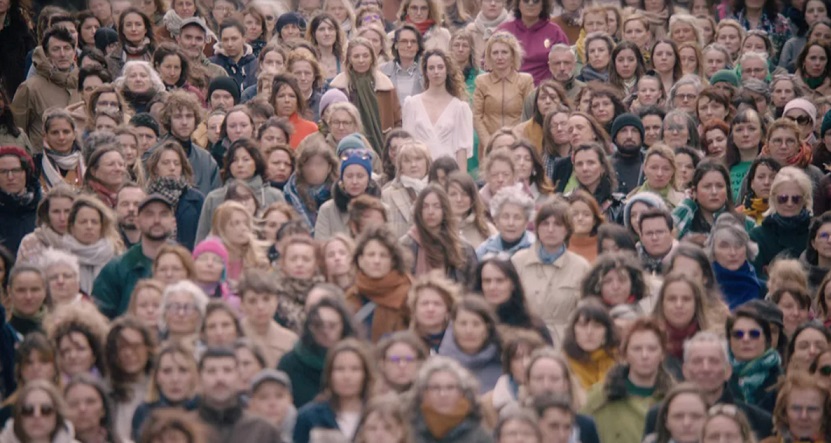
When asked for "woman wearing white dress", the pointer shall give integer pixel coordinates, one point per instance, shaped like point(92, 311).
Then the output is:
point(440, 117)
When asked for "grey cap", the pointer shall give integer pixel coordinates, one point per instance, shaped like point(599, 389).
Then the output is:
point(198, 21)
point(269, 374)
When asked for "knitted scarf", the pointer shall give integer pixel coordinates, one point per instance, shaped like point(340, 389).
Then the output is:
point(103, 193)
point(413, 184)
point(753, 374)
point(307, 200)
point(423, 26)
point(171, 188)
point(801, 159)
point(92, 258)
point(138, 50)
point(367, 103)
point(451, 17)
point(440, 424)
point(791, 224)
point(488, 27)
point(588, 73)
point(54, 162)
point(574, 18)
point(658, 22)
point(389, 294)
point(676, 337)
point(739, 286)
point(292, 296)
point(813, 82)
point(173, 22)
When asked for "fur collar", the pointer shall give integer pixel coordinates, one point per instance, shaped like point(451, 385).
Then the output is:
point(382, 82)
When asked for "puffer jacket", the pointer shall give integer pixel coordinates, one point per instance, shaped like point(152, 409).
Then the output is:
point(243, 71)
point(48, 88)
point(66, 434)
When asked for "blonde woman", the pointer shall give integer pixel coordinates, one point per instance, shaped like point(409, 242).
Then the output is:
point(92, 236)
point(659, 171)
point(234, 225)
point(730, 34)
point(413, 162)
point(344, 13)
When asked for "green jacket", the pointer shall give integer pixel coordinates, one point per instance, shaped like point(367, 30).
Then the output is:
point(115, 283)
point(775, 239)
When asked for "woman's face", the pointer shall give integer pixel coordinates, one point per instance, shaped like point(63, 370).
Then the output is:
point(111, 170)
point(530, 11)
point(783, 92)
point(443, 392)
point(299, 261)
point(582, 217)
point(590, 335)
point(436, 71)
point(603, 109)
point(60, 136)
point(644, 354)
point(762, 180)
point(551, 233)
point(174, 377)
point(278, 167)
point(430, 312)
point(316, 170)
point(460, 48)
point(76, 356)
point(220, 329)
point(42, 421)
point(137, 80)
point(134, 30)
point(105, 123)
point(85, 408)
point(616, 287)
point(516, 430)
point(580, 130)
point(413, 166)
point(806, 412)
point(559, 128)
point(685, 171)
point(689, 60)
point(471, 331)
point(170, 269)
point(793, 314)
point(328, 328)
point(808, 345)
point(348, 376)
point(237, 126)
point(418, 11)
point(500, 174)
point(676, 131)
point(595, 22)
point(730, 38)
point(585, 103)
point(663, 58)
point(133, 352)
point(377, 427)
point(714, 61)
point(709, 110)
point(679, 304)
point(790, 200)
point(511, 221)
point(690, 268)
point(685, 97)
point(803, 121)
point(599, 55)
point(407, 45)
point(214, 124)
point(683, 32)
point(729, 253)
point(716, 142)
point(185, 8)
point(238, 229)
point(355, 180)
point(341, 124)
point(547, 99)
point(547, 376)
point(654, 5)
point(496, 286)
point(524, 163)
point(376, 260)
point(747, 135)
point(587, 168)
point(88, 28)
point(706, 27)
point(180, 314)
point(747, 339)
point(638, 208)
point(626, 64)
point(272, 136)
point(170, 69)
point(634, 31)
point(286, 101)
point(685, 418)
point(460, 201)
point(711, 192)
point(754, 43)
point(658, 172)
point(431, 211)
point(722, 429)
point(64, 283)
point(649, 92)
point(87, 226)
point(148, 307)
point(243, 166)
point(129, 147)
point(361, 59)
point(209, 267)
point(249, 366)
point(815, 10)
point(253, 27)
point(502, 57)
point(337, 258)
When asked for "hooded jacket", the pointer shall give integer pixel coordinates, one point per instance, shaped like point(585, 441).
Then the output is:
point(48, 88)
point(244, 71)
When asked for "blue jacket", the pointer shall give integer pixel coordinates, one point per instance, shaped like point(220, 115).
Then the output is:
point(244, 71)
point(314, 415)
point(493, 246)
point(115, 283)
point(187, 217)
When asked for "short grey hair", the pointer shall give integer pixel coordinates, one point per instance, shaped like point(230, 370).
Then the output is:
point(707, 337)
point(729, 228)
point(686, 80)
point(468, 384)
point(200, 300)
point(759, 87)
point(514, 195)
point(562, 47)
point(156, 81)
point(53, 257)
point(720, 48)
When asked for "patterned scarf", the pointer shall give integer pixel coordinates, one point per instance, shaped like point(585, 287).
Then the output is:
point(801, 159)
point(103, 193)
point(753, 374)
point(171, 188)
point(138, 50)
point(64, 162)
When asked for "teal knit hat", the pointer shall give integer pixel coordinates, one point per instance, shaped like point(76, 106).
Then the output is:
point(826, 124)
point(725, 75)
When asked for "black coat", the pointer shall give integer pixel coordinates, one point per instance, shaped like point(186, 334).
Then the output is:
point(187, 216)
point(16, 41)
point(17, 218)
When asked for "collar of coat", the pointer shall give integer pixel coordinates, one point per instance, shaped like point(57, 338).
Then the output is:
point(382, 82)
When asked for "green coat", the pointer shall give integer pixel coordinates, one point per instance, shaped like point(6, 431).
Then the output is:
point(774, 239)
point(618, 421)
point(115, 283)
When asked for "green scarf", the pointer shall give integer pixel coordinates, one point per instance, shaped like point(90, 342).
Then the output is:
point(367, 103)
point(753, 375)
point(814, 82)
point(664, 193)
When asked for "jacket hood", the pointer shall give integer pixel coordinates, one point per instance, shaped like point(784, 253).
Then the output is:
point(44, 68)
point(382, 82)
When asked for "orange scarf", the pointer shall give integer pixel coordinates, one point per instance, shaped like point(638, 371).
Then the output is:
point(441, 424)
point(801, 159)
point(389, 294)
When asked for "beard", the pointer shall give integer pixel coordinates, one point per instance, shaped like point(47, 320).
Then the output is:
point(157, 237)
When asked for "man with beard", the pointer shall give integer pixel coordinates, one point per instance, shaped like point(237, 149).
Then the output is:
point(561, 64)
point(627, 134)
point(114, 285)
point(221, 410)
point(126, 208)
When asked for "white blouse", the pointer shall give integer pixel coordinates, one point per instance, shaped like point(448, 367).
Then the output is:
point(452, 132)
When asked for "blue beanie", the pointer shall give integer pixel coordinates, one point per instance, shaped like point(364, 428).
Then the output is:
point(351, 142)
point(361, 157)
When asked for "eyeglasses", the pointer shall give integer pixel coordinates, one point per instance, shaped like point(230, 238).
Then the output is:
point(401, 361)
point(783, 199)
point(414, 8)
point(802, 120)
point(181, 308)
point(686, 97)
point(371, 18)
point(12, 171)
point(443, 389)
point(42, 410)
point(789, 142)
point(655, 234)
point(824, 371)
point(740, 334)
point(340, 123)
point(531, 2)
point(726, 409)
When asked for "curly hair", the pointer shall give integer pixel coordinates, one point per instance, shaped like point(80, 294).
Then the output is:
point(592, 283)
point(382, 234)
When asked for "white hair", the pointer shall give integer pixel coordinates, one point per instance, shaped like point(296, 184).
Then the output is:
point(200, 300)
point(52, 257)
point(157, 84)
point(514, 195)
point(707, 337)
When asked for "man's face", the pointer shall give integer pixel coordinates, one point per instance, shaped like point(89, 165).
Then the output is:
point(220, 379)
point(192, 40)
point(652, 129)
point(561, 65)
point(556, 425)
point(147, 138)
point(61, 54)
point(182, 123)
point(705, 365)
point(156, 221)
point(221, 99)
point(656, 236)
point(126, 206)
point(628, 139)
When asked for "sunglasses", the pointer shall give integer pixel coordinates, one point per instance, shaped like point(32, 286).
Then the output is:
point(359, 153)
point(783, 199)
point(802, 120)
point(824, 371)
point(531, 2)
point(44, 410)
point(753, 334)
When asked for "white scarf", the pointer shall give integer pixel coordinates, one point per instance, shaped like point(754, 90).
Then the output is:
point(417, 185)
point(488, 27)
point(92, 258)
point(65, 162)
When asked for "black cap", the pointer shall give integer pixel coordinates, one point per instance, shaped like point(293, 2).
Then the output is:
point(767, 310)
point(153, 198)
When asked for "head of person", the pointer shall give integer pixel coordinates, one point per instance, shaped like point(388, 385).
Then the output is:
point(804, 114)
point(59, 46)
point(18, 170)
point(503, 52)
point(749, 334)
point(474, 326)
point(327, 322)
point(592, 166)
point(78, 336)
point(511, 209)
point(808, 342)
point(681, 415)
point(146, 302)
point(791, 191)
point(128, 349)
point(655, 227)
point(39, 412)
point(801, 405)
point(547, 373)
point(399, 357)
point(444, 386)
point(612, 237)
point(222, 324)
point(219, 376)
point(89, 407)
point(431, 298)
point(377, 253)
point(382, 420)
point(591, 328)
point(614, 278)
point(729, 245)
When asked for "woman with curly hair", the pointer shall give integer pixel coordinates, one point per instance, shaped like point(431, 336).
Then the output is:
point(618, 279)
point(78, 332)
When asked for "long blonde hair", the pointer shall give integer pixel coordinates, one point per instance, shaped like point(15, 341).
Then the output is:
point(253, 253)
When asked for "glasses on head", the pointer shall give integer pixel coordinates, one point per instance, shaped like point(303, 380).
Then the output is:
point(42, 410)
point(753, 334)
point(824, 371)
point(802, 120)
point(783, 199)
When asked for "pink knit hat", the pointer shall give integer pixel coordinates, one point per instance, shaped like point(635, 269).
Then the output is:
point(214, 245)
point(803, 105)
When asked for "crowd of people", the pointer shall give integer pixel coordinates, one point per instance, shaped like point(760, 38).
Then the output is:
point(415, 221)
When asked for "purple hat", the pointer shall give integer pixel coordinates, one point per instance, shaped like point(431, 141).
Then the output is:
point(331, 97)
